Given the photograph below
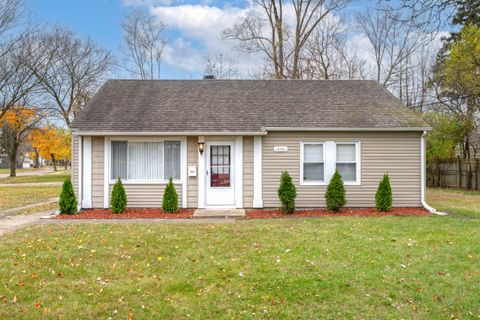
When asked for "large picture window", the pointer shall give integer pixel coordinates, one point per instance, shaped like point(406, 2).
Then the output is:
point(145, 160)
point(313, 162)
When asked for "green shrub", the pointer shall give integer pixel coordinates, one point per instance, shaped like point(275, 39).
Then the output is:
point(383, 197)
point(119, 197)
point(335, 194)
point(170, 198)
point(287, 193)
point(68, 201)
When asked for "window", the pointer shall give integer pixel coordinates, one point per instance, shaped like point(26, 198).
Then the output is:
point(346, 161)
point(145, 160)
point(313, 162)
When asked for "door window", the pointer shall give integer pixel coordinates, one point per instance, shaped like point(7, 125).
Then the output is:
point(220, 163)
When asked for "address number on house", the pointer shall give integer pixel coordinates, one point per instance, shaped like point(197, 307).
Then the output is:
point(280, 149)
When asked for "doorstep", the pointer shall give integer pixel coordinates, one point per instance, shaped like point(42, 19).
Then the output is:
point(219, 213)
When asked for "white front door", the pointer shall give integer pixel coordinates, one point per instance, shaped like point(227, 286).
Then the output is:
point(220, 173)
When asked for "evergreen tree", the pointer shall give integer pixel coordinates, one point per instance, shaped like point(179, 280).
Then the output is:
point(287, 193)
point(170, 198)
point(383, 197)
point(335, 194)
point(119, 197)
point(68, 201)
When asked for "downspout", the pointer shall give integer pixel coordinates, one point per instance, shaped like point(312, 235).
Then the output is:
point(423, 177)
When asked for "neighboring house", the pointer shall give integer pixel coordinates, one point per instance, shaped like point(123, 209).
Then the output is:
point(249, 131)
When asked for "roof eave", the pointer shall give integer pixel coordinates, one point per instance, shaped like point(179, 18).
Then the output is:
point(347, 129)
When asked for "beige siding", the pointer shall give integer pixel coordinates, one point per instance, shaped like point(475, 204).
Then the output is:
point(74, 172)
point(397, 153)
point(98, 166)
point(192, 182)
point(147, 195)
point(247, 172)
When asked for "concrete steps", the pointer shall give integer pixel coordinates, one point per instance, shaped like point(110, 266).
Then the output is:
point(219, 213)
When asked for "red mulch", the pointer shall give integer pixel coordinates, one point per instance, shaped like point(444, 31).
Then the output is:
point(345, 212)
point(129, 214)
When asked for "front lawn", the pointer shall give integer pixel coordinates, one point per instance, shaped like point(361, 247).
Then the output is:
point(50, 177)
point(460, 203)
point(344, 268)
point(12, 197)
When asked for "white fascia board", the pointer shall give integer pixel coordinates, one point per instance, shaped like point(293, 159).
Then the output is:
point(168, 133)
point(346, 129)
point(257, 173)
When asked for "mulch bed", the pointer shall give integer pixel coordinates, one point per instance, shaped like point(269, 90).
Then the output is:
point(129, 214)
point(345, 212)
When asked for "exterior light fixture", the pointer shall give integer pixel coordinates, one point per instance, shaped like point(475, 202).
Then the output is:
point(201, 147)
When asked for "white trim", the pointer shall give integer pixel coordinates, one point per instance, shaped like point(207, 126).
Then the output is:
point(345, 129)
point(183, 144)
point(239, 172)
point(201, 177)
point(358, 173)
point(169, 133)
point(87, 172)
point(80, 172)
point(423, 179)
point(106, 173)
point(183, 170)
point(302, 155)
point(257, 173)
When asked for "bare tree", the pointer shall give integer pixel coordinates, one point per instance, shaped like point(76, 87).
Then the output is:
point(327, 56)
point(391, 42)
point(221, 68)
point(144, 44)
point(71, 71)
point(265, 29)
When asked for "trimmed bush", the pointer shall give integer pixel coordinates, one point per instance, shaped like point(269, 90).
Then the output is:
point(383, 197)
point(335, 194)
point(170, 198)
point(119, 197)
point(68, 201)
point(287, 193)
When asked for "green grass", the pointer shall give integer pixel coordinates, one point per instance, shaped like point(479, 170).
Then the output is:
point(7, 170)
point(50, 177)
point(12, 197)
point(460, 203)
point(337, 268)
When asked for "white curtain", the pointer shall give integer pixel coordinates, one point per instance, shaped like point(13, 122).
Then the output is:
point(346, 153)
point(313, 152)
point(119, 159)
point(172, 159)
point(145, 160)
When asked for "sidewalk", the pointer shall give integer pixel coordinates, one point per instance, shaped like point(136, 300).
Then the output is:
point(31, 184)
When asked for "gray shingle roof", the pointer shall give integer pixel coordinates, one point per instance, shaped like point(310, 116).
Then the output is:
point(242, 106)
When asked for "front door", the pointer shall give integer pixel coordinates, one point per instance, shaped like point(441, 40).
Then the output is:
point(220, 188)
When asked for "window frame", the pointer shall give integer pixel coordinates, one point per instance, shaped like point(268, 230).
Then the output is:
point(357, 162)
point(140, 181)
point(302, 158)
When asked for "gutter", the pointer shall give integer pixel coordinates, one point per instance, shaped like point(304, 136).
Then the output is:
point(423, 178)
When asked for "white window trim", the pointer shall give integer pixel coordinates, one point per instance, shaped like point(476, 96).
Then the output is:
point(149, 181)
point(357, 162)
point(312, 182)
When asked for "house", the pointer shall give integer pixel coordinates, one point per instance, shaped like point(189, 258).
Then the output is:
point(225, 143)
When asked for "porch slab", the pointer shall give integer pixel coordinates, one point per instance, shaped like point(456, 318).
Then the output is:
point(219, 213)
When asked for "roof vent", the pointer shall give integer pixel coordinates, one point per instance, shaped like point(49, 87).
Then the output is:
point(209, 77)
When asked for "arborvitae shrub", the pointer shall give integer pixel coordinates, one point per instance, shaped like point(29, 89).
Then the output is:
point(170, 198)
point(383, 197)
point(335, 194)
point(287, 193)
point(119, 197)
point(68, 201)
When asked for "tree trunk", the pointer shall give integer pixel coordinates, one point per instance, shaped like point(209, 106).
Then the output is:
point(54, 163)
point(66, 164)
point(13, 164)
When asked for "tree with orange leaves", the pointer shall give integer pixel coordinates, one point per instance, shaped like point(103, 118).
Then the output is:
point(16, 125)
point(52, 143)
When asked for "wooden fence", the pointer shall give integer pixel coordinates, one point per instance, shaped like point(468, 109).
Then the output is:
point(454, 173)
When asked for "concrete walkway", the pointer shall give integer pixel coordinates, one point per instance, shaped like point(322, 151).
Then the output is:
point(13, 223)
point(31, 184)
point(219, 213)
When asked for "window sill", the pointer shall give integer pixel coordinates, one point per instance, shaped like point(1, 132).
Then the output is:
point(126, 182)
